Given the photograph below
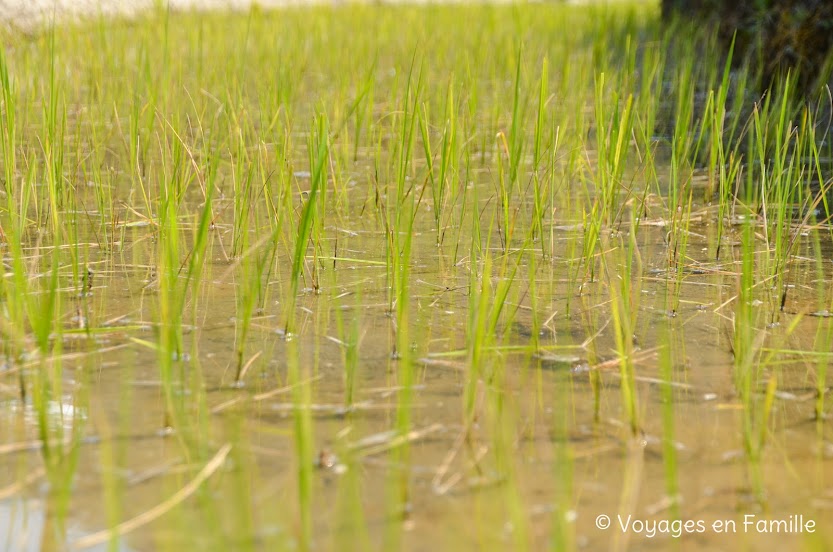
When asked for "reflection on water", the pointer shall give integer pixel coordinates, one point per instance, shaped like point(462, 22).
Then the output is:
point(25, 527)
point(63, 413)
point(22, 525)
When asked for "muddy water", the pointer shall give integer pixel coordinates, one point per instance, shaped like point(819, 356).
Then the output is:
point(128, 461)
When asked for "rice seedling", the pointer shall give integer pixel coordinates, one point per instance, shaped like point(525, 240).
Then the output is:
point(318, 153)
point(563, 528)
point(613, 133)
point(669, 451)
point(349, 343)
point(620, 277)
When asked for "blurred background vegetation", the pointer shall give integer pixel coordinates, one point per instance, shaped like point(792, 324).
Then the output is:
point(777, 35)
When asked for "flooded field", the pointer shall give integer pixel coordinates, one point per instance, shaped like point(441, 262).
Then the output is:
point(359, 278)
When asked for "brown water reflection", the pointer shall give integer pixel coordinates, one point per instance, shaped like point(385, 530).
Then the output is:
point(458, 496)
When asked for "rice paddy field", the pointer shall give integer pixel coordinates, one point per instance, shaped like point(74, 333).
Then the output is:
point(396, 277)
